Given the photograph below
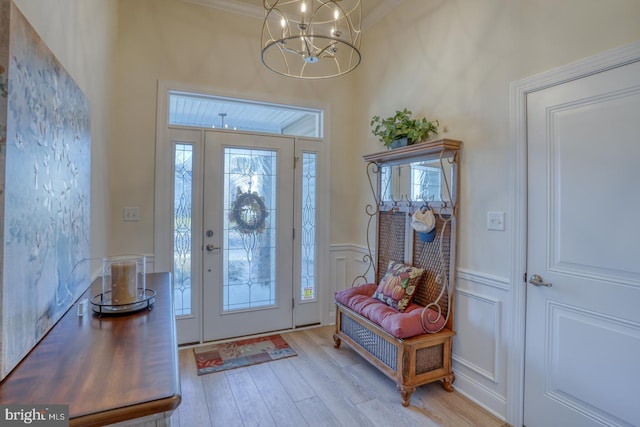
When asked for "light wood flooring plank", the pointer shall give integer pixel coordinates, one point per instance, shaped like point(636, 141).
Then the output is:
point(316, 413)
point(325, 364)
point(322, 386)
point(221, 402)
point(193, 410)
point(466, 412)
point(379, 413)
point(282, 409)
point(253, 409)
point(324, 338)
point(330, 393)
point(295, 384)
point(388, 398)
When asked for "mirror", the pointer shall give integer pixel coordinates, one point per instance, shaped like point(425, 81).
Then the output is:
point(417, 181)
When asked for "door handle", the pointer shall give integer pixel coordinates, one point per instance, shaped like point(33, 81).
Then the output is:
point(536, 280)
point(211, 248)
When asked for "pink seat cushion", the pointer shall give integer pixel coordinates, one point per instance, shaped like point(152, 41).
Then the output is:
point(401, 325)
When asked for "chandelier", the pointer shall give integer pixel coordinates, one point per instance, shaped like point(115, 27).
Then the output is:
point(311, 39)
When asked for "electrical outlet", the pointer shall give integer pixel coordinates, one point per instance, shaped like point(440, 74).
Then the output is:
point(131, 213)
point(495, 221)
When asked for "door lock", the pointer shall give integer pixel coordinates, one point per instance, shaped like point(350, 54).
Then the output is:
point(536, 280)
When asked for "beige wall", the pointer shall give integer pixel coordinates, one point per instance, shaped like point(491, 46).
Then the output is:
point(82, 35)
point(181, 42)
point(454, 60)
point(447, 59)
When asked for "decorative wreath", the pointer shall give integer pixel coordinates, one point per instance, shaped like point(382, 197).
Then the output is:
point(248, 213)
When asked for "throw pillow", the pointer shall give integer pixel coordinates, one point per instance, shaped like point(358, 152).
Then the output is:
point(398, 285)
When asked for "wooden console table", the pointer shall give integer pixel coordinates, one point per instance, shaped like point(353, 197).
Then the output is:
point(108, 369)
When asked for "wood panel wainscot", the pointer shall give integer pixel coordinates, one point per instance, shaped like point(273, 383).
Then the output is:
point(111, 369)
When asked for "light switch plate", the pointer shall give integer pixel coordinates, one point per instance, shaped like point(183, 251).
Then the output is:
point(131, 213)
point(495, 221)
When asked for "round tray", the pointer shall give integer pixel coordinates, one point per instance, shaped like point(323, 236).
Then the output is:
point(102, 303)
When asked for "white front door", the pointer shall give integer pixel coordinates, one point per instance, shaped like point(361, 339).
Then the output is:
point(248, 234)
point(582, 357)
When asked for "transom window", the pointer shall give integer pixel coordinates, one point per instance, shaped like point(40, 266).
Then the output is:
point(204, 111)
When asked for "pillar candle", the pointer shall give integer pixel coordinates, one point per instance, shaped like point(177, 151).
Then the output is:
point(123, 283)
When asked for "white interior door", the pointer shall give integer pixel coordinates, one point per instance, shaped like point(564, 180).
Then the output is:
point(248, 234)
point(583, 329)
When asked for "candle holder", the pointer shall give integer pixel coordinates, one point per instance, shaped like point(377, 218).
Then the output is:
point(123, 286)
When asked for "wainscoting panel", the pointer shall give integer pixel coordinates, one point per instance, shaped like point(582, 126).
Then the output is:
point(477, 343)
point(479, 350)
point(347, 262)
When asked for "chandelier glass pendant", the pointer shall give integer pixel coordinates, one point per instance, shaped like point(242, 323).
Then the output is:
point(311, 39)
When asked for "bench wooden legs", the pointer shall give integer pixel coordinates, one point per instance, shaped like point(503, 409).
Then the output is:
point(405, 394)
point(336, 341)
point(447, 382)
point(409, 362)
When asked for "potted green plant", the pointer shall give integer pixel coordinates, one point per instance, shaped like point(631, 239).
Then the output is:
point(401, 129)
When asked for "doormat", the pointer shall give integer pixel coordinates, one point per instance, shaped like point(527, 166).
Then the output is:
point(236, 354)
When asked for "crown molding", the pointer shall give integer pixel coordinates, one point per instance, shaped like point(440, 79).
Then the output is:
point(232, 6)
point(254, 11)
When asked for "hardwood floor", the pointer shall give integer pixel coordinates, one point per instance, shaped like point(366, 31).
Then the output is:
point(322, 386)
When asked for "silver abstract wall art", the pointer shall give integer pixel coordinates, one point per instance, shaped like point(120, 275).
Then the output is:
point(45, 165)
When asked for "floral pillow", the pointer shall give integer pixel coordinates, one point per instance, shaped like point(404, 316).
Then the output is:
point(398, 285)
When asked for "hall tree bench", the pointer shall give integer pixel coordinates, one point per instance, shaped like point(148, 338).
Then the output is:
point(120, 370)
point(410, 346)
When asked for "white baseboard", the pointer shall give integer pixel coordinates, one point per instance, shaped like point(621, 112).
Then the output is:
point(479, 394)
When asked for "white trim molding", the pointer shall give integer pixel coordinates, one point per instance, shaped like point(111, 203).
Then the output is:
point(518, 194)
point(240, 8)
point(254, 11)
point(497, 282)
point(470, 388)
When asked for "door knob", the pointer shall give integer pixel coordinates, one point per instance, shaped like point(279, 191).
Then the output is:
point(536, 280)
point(211, 248)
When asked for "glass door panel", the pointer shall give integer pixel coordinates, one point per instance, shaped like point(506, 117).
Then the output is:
point(182, 214)
point(248, 221)
point(309, 240)
point(186, 215)
point(308, 229)
point(249, 224)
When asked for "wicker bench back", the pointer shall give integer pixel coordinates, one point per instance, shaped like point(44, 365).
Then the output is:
point(426, 255)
